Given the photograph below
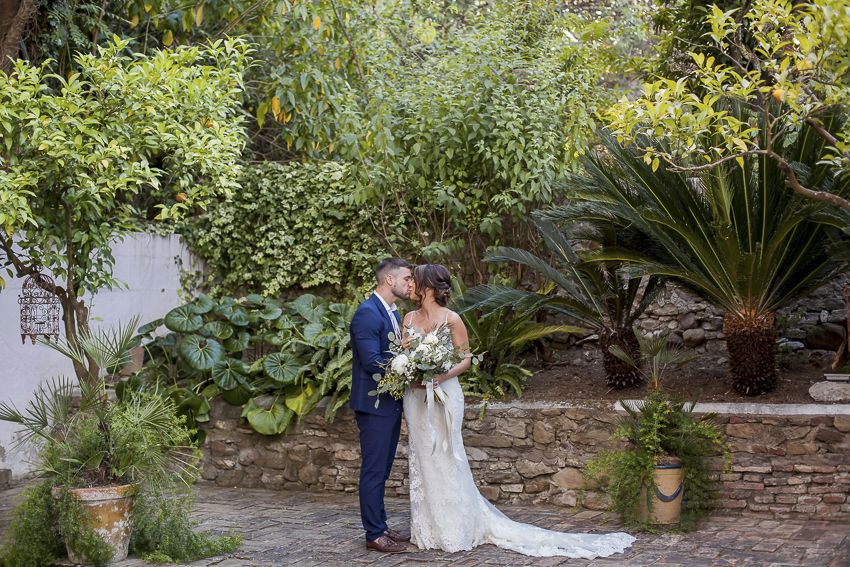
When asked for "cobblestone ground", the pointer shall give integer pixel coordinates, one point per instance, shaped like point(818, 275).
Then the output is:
point(306, 530)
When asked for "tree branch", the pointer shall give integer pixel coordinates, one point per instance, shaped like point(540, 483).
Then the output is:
point(681, 169)
point(792, 182)
point(350, 43)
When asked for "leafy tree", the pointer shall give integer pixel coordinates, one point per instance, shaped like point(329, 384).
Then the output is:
point(786, 64)
point(735, 236)
point(470, 134)
point(72, 159)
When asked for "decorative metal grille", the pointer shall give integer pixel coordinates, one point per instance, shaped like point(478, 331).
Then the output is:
point(39, 308)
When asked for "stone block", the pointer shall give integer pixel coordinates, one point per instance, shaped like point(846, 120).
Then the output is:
point(5, 478)
point(568, 499)
point(491, 493)
point(746, 430)
point(487, 441)
point(511, 428)
point(230, 478)
point(537, 486)
point(590, 436)
point(842, 424)
point(309, 474)
point(569, 479)
point(475, 454)
point(802, 448)
point(542, 433)
point(531, 469)
point(694, 337)
point(502, 477)
point(513, 488)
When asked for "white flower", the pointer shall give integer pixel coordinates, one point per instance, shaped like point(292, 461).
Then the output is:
point(430, 339)
point(400, 363)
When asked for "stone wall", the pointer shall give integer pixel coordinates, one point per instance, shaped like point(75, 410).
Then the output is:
point(784, 466)
point(814, 327)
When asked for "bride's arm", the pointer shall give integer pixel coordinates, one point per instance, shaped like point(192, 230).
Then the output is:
point(460, 338)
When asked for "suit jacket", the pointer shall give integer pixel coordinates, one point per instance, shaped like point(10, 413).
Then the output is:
point(370, 345)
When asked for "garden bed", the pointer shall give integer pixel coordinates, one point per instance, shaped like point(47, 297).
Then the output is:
point(577, 378)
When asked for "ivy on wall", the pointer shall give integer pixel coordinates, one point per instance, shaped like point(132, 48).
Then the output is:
point(288, 227)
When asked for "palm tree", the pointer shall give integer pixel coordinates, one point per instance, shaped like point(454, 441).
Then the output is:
point(737, 236)
point(594, 294)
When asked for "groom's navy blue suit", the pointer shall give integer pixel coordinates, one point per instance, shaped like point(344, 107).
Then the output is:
point(379, 427)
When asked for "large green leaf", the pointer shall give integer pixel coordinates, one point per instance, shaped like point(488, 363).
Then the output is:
point(239, 395)
point(219, 329)
point(238, 343)
point(270, 312)
point(228, 373)
point(183, 319)
point(282, 367)
point(272, 421)
point(238, 316)
point(200, 353)
point(302, 400)
point(203, 304)
point(150, 327)
point(312, 308)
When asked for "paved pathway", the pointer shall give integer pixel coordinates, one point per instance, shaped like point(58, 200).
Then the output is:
point(323, 530)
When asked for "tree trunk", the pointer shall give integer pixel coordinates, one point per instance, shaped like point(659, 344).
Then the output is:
point(751, 342)
point(619, 374)
point(15, 17)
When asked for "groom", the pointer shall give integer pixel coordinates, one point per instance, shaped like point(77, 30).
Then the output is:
point(374, 320)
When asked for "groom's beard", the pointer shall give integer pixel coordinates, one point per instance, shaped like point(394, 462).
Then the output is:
point(401, 292)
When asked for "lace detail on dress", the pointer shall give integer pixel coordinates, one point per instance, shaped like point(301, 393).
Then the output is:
point(446, 510)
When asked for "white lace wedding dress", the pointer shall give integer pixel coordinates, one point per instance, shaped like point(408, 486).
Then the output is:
point(446, 510)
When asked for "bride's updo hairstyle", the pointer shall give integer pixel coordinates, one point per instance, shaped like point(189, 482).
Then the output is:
point(435, 277)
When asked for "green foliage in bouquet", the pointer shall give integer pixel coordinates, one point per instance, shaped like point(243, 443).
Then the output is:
point(297, 352)
point(425, 357)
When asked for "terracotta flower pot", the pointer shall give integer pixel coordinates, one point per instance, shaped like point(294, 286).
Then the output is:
point(112, 508)
point(665, 495)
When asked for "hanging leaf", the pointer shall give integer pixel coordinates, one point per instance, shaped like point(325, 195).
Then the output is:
point(239, 395)
point(248, 408)
point(302, 401)
point(270, 313)
point(282, 367)
point(199, 16)
point(317, 23)
point(238, 317)
point(211, 391)
point(150, 327)
point(219, 329)
point(183, 319)
point(203, 304)
point(256, 299)
point(228, 373)
point(199, 353)
point(167, 38)
point(238, 343)
point(312, 308)
point(272, 421)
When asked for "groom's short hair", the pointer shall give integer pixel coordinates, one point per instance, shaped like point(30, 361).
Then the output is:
point(389, 265)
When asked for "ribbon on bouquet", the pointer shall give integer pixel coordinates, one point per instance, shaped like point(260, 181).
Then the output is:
point(432, 392)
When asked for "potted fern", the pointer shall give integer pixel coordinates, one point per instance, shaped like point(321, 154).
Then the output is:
point(96, 460)
point(661, 477)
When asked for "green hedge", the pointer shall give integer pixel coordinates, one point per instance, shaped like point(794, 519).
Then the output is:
point(287, 228)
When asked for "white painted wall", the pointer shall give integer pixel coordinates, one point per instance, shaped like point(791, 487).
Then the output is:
point(146, 262)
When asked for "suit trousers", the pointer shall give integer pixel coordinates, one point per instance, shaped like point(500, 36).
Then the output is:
point(378, 442)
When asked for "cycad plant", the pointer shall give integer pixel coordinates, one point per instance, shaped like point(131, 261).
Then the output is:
point(594, 294)
point(735, 235)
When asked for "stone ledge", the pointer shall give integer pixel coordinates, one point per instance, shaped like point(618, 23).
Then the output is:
point(764, 409)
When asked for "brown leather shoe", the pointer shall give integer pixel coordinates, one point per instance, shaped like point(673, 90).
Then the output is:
point(397, 536)
point(386, 545)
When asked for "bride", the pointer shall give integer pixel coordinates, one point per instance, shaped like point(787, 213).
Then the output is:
point(446, 510)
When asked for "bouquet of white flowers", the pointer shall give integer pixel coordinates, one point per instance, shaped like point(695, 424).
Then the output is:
point(425, 357)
